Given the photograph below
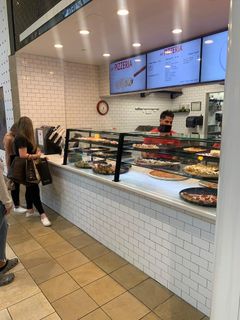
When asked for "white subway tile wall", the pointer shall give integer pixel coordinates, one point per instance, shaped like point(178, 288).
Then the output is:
point(4, 67)
point(192, 94)
point(169, 245)
point(53, 92)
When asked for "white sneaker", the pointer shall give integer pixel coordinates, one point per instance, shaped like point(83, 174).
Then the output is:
point(31, 214)
point(45, 221)
point(19, 210)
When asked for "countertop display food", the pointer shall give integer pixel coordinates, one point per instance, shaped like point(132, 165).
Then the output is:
point(138, 181)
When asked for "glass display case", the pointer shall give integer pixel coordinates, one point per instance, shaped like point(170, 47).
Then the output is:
point(169, 158)
point(96, 150)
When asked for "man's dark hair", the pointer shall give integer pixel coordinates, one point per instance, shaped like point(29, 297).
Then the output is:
point(166, 113)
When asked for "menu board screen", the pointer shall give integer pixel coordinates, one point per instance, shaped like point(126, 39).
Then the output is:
point(174, 66)
point(128, 75)
point(214, 57)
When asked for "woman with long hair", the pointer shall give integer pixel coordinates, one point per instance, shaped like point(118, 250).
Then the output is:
point(25, 147)
point(9, 156)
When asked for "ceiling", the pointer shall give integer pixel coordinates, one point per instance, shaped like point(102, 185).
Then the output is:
point(149, 22)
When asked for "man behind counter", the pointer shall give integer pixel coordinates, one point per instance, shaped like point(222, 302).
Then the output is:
point(164, 129)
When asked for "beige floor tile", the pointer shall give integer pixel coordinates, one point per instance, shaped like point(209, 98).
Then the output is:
point(38, 231)
point(104, 290)
point(16, 230)
point(86, 274)
point(35, 258)
point(151, 293)
point(72, 260)
point(53, 316)
point(61, 224)
point(74, 305)
point(205, 318)
point(4, 315)
point(125, 307)
point(177, 309)
point(45, 271)
point(94, 250)
point(58, 287)
point(21, 288)
point(60, 249)
point(33, 308)
point(151, 316)
point(18, 239)
point(11, 220)
point(26, 247)
point(81, 241)
point(11, 254)
point(129, 276)
point(49, 239)
point(96, 315)
point(70, 232)
point(110, 262)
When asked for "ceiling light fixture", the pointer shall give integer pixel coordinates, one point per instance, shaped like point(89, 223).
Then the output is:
point(123, 12)
point(84, 32)
point(209, 41)
point(136, 44)
point(177, 31)
point(106, 54)
point(58, 46)
point(137, 60)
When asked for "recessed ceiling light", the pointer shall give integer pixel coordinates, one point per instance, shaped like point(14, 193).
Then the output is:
point(199, 59)
point(136, 44)
point(58, 45)
point(84, 32)
point(209, 41)
point(177, 31)
point(123, 12)
point(167, 66)
point(137, 60)
point(106, 54)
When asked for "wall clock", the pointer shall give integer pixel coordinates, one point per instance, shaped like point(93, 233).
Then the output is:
point(102, 107)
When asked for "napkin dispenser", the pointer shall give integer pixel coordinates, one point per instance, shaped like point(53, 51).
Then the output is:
point(193, 121)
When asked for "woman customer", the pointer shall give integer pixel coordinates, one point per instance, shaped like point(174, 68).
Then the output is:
point(9, 156)
point(5, 208)
point(25, 147)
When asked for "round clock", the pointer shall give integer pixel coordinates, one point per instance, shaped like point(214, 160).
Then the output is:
point(102, 107)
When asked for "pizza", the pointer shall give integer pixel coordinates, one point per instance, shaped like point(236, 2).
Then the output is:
point(144, 146)
point(205, 199)
point(201, 170)
point(162, 175)
point(194, 149)
point(211, 185)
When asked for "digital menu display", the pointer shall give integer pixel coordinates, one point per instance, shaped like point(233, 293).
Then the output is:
point(174, 66)
point(128, 75)
point(214, 57)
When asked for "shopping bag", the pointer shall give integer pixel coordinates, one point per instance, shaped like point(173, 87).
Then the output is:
point(44, 172)
point(32, 175)
point(17, 171)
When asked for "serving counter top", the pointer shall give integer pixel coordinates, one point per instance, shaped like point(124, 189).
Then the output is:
point(138, 181)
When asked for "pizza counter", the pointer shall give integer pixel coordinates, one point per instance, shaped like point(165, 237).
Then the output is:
point(143, 220)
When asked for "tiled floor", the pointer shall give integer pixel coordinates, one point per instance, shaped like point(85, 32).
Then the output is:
point(66, 274)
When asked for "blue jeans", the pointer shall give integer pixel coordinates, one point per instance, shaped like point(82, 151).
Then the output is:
point(3, 233)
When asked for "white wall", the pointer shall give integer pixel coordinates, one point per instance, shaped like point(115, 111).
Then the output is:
point(192, 94)
point(4, 66)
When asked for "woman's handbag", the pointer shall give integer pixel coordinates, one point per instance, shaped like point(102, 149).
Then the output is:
point(17, 171)
point(44, 172)
point(32, 175)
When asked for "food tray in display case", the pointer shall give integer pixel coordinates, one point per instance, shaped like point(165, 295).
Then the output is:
point(202, 171)
point(201, 196)
point(194, 149)
point(145, 147)
point(97, 149)
point(208, 184)
point(108, 169)
point(98, 141)
point(162, 175)
point(155, 163)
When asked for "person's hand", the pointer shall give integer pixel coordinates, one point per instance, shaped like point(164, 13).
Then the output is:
point(38, 153)
point(8, 210)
